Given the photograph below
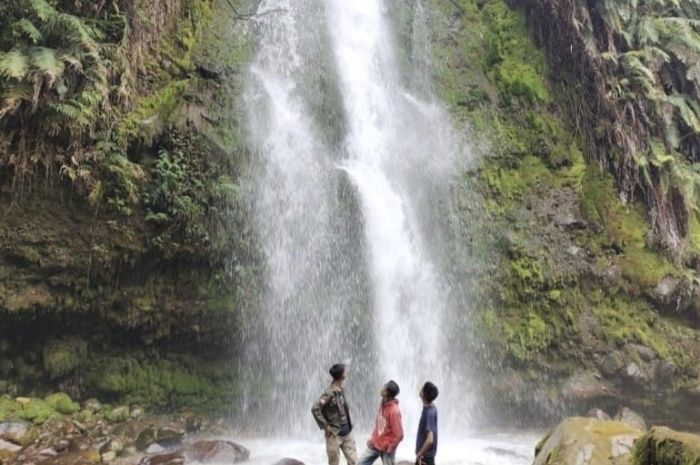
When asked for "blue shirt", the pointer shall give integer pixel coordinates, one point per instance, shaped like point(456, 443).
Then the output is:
point(428, 423)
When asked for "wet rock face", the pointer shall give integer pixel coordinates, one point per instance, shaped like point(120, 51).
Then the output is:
point(631, 418)
point(587, 441)
point(586, 386)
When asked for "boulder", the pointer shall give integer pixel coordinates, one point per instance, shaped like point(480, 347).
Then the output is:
point(288, 461)
point(7, 446)
point(36, 410)
point(164, 435)
point(92, 405)
point(587, 441)
point(586, 386)
point(664, 446)
point(62, 403)
point(174, 458)
point(15, 431)
point(612, 364)
point(598, 414)
point(643, 352)
point(118, 414)
point(632, 418)
point(217, 451)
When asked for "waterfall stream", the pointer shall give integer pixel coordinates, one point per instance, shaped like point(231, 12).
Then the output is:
point(354, 159)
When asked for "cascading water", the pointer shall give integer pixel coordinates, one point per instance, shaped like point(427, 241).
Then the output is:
point(353, 171)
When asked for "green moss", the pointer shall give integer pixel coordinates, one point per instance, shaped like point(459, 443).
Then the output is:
point(153, 113)
point(623, 230)
point(117, 414)
point(37, 411)
point(9, 408)
point(62, 403)
point(62, 356)
point(664, 446)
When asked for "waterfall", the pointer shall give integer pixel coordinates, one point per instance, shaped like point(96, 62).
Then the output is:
point(354, 160)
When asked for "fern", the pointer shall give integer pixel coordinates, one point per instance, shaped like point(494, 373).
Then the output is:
point(28, 29)
point(14, 64)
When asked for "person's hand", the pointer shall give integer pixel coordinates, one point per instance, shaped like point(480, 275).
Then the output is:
point(419, 459)
point(369, 444)
point(327, 430)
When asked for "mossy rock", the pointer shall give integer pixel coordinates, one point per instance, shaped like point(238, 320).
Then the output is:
point(62, 356)
point(9, 408)
point(664, 446)
point(117, 414)
point(37, 411)
point(588, 441)
point(62, 403)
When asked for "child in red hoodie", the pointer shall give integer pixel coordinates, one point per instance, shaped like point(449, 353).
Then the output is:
point(387, 432)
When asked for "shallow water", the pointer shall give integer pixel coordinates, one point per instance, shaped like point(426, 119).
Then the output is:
point(504, 448)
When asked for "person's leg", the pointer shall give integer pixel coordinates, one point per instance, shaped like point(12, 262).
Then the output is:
point(388, 459)
point(349, 449)
point(369, 456)
point(332, 449)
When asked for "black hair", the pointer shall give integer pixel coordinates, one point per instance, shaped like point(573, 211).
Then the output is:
point(337, 371)
point(392, 388)
point(430, 391)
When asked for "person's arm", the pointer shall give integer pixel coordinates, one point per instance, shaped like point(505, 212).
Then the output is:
point(426, 444)
point(396, 428)
point(317, 412)
point(431, 429)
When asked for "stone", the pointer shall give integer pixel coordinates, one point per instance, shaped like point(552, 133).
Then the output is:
point(644, 352)
point(587, 441)
point(612, 364)
point(92, 405)
point(15, 431)
point(174, 458)
point(109, 456)
point(664, 446)
point(666, 371)
point(118, 414)
point(62, 403)
point(586, 386)
point(165, 435)
point(598, 414)
point(36, 410)
point(634, 373)
point(114, 445)
point(155, 448)
point(632, 418)
point(216, 451)
point(193, 422)
point(288, 461)
point(6, 446)
point(136, 412)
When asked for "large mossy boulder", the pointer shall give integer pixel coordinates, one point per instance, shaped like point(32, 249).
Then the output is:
point(36, 410)
point(62, 403)
point(587, 441)
point(664, 446)
point(9, 408)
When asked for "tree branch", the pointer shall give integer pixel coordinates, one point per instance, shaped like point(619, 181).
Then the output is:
point(247, 16)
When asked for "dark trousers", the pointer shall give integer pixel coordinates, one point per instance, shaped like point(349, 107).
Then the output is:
point(426, 461)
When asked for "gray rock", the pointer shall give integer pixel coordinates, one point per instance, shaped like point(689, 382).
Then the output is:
point(597, 414)
point(118, 414)
point(666, 371)
point(621, 445)
point(288, 461)
point(14, 431)
point(155, 449)
point(585, 386)
point(612, 364)
point(644, 352)
point(109, 456)
point(634, 373)
point(93, 405)
point(210, 452)
point(630, 417)
point(667, 287)
point(6, 446)
point(174, 458)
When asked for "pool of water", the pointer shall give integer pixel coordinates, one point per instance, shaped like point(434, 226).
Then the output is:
point(501, 448)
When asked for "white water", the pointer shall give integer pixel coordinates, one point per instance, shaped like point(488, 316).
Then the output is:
point(354, 160)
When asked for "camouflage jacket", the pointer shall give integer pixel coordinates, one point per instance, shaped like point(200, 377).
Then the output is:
point(332, 409)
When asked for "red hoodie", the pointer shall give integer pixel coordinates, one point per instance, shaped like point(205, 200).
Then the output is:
point(387, 432)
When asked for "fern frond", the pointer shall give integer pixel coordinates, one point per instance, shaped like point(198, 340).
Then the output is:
point(45, 61)
point(44, 10)
point(14, 64)
point(687, 112)
point(28, 29)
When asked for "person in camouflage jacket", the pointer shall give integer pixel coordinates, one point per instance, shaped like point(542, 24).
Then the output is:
point(332, 415)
